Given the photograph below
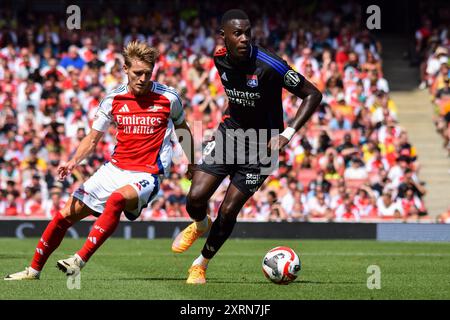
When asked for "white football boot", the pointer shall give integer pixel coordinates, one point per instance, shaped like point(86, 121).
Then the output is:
point(27, 274)
point(71, 266)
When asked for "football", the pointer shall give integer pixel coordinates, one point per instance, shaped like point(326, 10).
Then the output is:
point(281, 265)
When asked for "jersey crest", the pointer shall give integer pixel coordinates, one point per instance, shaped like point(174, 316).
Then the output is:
point(252, 80)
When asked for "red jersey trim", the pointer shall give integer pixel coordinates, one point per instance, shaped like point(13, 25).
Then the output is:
point(221, 52)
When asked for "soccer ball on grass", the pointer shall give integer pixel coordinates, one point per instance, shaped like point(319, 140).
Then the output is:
point(281, 265)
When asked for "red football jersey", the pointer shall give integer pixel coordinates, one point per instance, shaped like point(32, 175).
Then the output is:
point(145, 126)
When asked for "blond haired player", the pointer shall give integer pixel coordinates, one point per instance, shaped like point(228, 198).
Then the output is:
point(146, 114)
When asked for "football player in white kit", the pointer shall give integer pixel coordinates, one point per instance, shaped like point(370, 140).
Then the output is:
point(146, 114)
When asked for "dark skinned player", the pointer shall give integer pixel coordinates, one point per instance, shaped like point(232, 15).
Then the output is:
point(253, 79)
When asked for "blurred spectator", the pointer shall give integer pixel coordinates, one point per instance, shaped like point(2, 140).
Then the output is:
point(347, 211)
point(348, 149)
point(157, 211)
point(10, 205)
point(433, 65)
point(412, 206)
point(444, 217)
point(276, 211)
point(374, 82)
point(32, 206)
point(332, 163)
point(365, 202)
point(387, 208)
point(72, 59)
point(9, 173)
point(357, 170)
point(319, 207)
point(410, 182)
point(320, 183)
point(56, 202)
point(340, 123)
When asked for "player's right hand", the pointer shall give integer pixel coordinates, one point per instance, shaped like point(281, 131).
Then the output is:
point(65, 169)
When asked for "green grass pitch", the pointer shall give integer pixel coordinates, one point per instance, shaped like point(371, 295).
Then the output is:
point(147, 269)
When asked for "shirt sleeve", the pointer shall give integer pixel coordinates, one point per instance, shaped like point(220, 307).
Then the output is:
point(103, 117)
point(176, 110)
point(290, 79)
point(293, 81)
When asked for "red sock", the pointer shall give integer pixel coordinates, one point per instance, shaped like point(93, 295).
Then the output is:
point(50, 240)
point(105, 225)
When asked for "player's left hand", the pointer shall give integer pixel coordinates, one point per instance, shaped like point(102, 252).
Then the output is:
point(277, 143)
point(190, 171)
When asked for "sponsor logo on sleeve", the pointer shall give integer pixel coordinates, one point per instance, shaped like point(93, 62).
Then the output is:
point(291, 78)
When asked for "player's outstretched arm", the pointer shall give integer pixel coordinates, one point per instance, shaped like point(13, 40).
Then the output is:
point(86, 147)
point(186, 140)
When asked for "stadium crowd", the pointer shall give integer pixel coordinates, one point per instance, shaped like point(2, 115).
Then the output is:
point(431, 53)
point(351, 162)
point(432, 45)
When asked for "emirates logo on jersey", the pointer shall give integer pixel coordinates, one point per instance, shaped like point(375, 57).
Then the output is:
point(138, 124)
point(138, 120)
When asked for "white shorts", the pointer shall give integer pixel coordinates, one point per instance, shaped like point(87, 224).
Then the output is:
point(96, 190)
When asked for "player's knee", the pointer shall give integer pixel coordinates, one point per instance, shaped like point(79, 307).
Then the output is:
point(71, 210)
point(117, 200)
point(196, 198)
point(196, 206)
point(66, 213)
point(115, 205)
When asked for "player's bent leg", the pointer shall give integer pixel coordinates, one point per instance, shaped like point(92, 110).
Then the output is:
point(220, 231)
point(73, 211)
point(222, 227)
point(76, 210)
point(123, 198)
point(203, 187)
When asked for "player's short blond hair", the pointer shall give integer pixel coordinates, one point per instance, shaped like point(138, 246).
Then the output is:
point(138, 50)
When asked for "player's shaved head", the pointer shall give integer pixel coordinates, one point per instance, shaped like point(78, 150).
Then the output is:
point(233, 14)
point(236, 33)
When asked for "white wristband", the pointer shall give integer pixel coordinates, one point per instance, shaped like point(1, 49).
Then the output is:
point(288, 133)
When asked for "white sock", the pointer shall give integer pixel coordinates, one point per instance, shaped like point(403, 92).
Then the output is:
point(34, 271)
point(203, 224)
point(201, 261)
point(82, 263)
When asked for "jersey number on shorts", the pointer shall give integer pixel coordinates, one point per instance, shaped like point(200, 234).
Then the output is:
point(142, 183)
